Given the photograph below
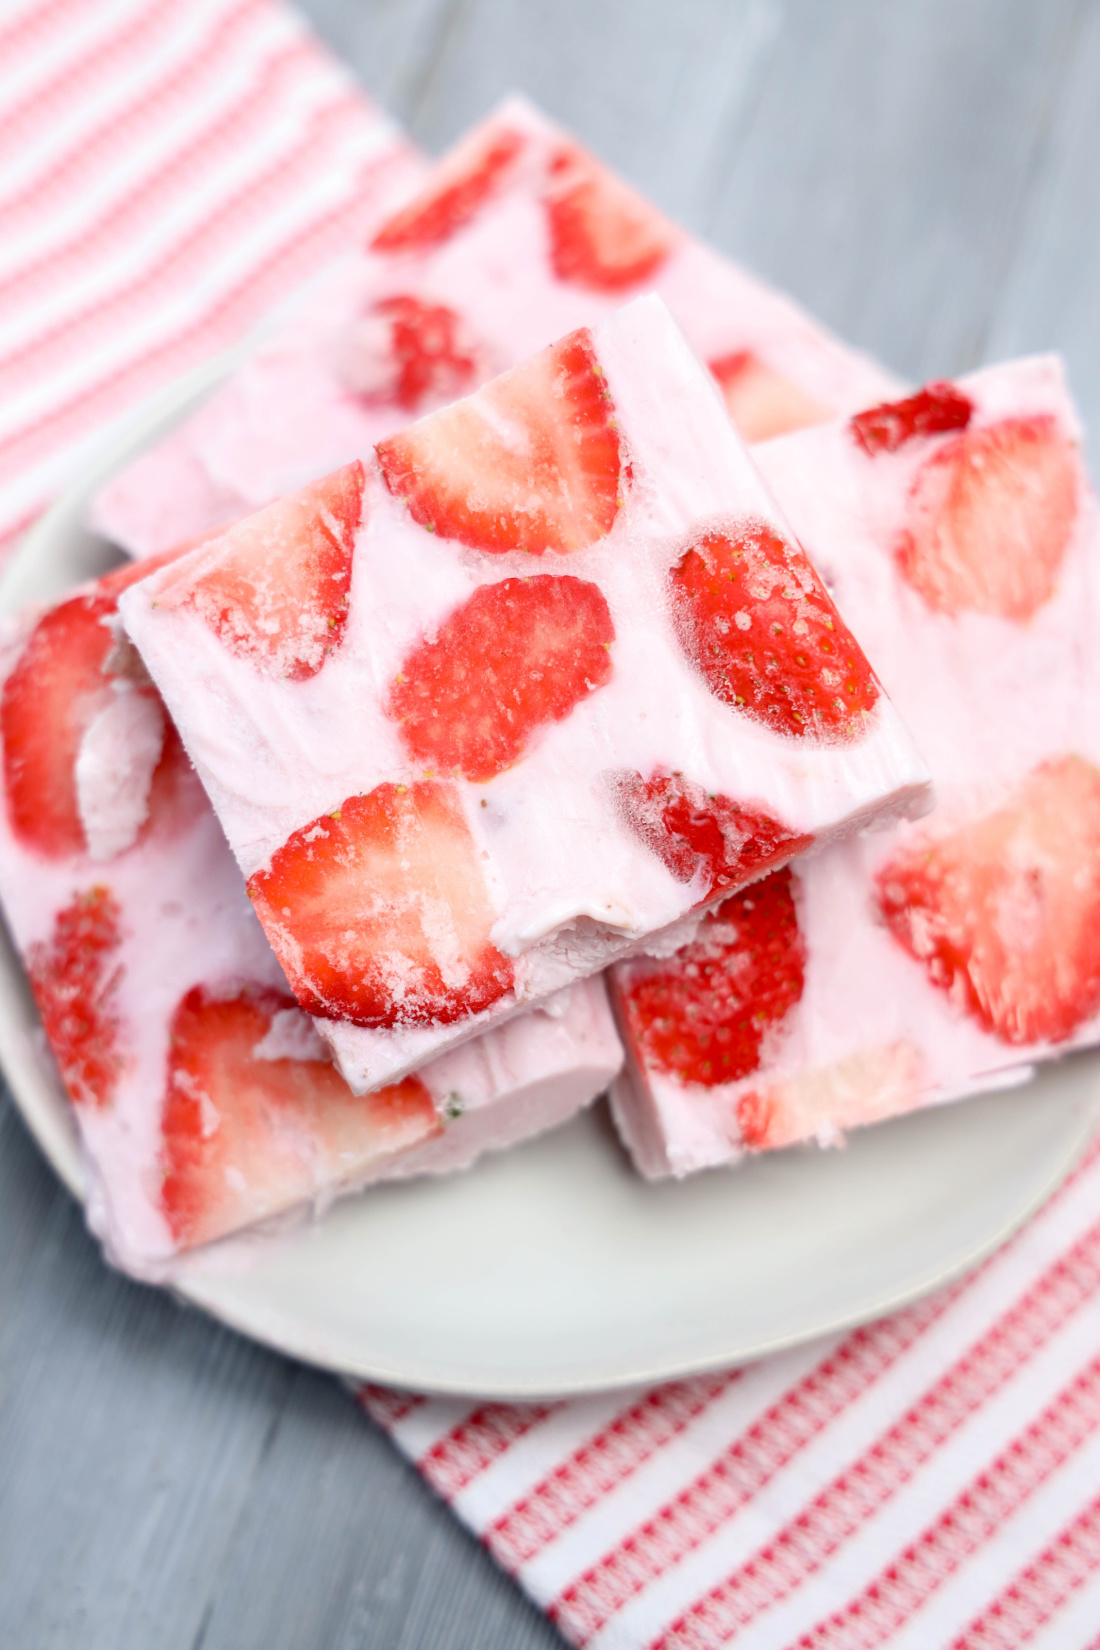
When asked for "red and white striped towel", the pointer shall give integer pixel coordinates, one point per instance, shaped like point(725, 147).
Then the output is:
point(931, 1479)
point(170, 169)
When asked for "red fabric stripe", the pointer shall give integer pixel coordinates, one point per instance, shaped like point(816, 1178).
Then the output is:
point(176, 268)
point(598, 1465)
point(88, 73)
point(475, 1443)
point(387, 1406)
point(323, 237)
point(839, 1510)
point(154, 105)
point(1038, 1592)
point(26, 33)
point(743, 1469)
point(156, 194)
point(902, 1589)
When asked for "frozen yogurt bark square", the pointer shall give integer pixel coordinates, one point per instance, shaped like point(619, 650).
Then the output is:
point(522, 693)
point(204, 1099)
point(960, 537)
point(516, 237)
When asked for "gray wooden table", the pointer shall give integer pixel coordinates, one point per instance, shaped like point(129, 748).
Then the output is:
point(925, 176)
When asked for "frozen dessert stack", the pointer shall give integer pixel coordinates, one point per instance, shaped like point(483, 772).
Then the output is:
point(501, 662)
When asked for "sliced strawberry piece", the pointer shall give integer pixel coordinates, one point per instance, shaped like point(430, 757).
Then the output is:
point(934, 410)
point(275, 587)
point(703, 1014)
point(603, 235)
point(530, 462)
point(457, 189)
point(990, 516)
point(761, 402)
point(1004, 913)
point(379, 913)
point(61, 683)
point(755, 619)
point(863, 1088)
point(408, 353)
point(75, 975)
point(513, 657)
point(245, 1136)
point(692, 831)
point(57, 688)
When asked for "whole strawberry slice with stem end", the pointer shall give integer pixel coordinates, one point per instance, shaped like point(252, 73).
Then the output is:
point(529, 462)
point(57, 688)
point(761, 401)
point(457, 189)
point(691, 830)
point(379, 912)
point(990, 515)
point(245, 1136)
point(603, 235)
point(512, 658)
point(757, 622)
point(702, 1015)
point(275, 587)
point(1004, 912)
point(407, 352)
point(935, 410)
point(75, 976)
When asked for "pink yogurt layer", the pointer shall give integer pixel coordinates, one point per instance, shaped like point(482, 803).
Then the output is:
point(465, 782)
point(204, 1099)
point(960, 538)
point(517, 238)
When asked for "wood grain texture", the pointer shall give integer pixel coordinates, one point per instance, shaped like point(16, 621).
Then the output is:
point(921, 174)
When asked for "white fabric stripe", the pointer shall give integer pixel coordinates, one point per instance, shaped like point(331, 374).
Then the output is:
point(1020, 1540)
point(846, 1440)
point(428, 1423)
point(1077, 1625)
point(532, 1458)
point(618, 1514)
point(968, 1451)
point(190, 306)
point(164, 232)
point(75, 36)
point(167, 131)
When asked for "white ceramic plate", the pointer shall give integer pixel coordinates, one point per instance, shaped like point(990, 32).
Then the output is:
point(552, 1268)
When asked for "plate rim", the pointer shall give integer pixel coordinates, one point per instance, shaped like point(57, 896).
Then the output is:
point(39, 1096)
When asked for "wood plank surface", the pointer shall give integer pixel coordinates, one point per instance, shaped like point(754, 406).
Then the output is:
point(922, 175)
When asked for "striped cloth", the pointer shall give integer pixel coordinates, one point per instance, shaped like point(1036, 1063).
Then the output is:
point(171, 168)
point(929, 1480)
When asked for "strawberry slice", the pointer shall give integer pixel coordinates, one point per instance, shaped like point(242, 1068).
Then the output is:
point(692, 831)
point(760, 401)
point(58, 687)
point(275, 587)
point(64, 679)
point(75, 975)
point(513, 657)
point(934, 410)
point(244, 1136)
point(458, 188)
point(406, 353)
point(756, 621)
point(380, 914)
point(1004, 913)
point(990, 516)
point(703, 1015)
point(602, 234)
point(530, 462)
